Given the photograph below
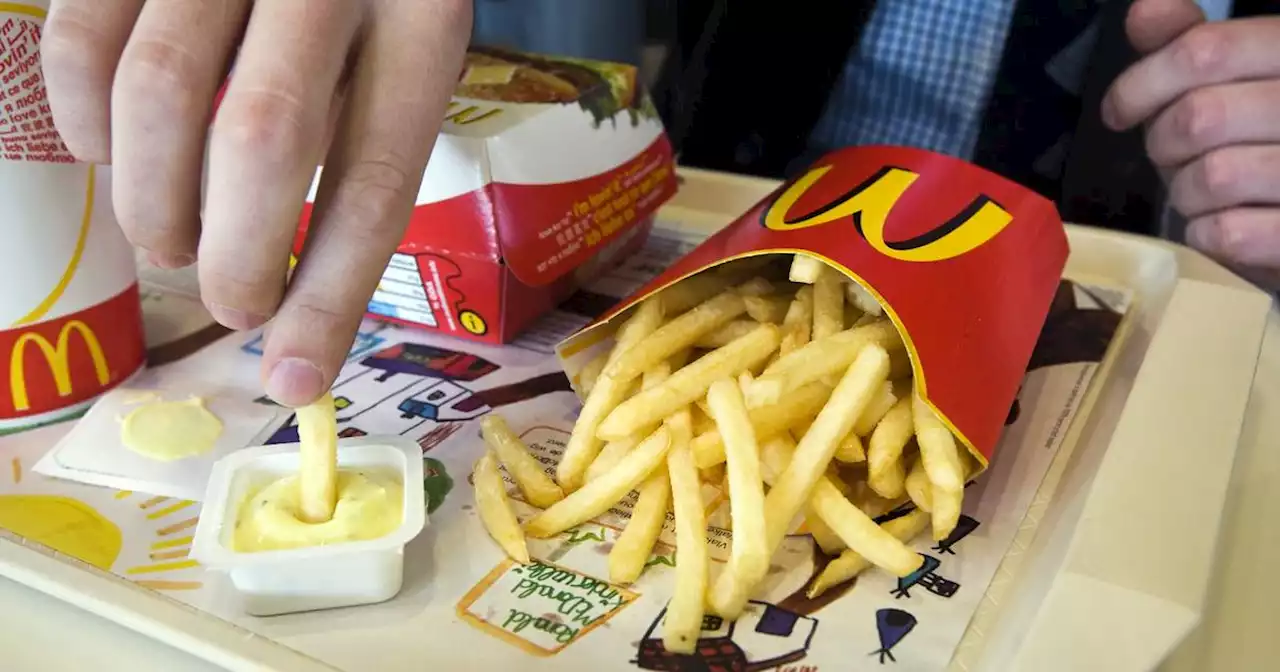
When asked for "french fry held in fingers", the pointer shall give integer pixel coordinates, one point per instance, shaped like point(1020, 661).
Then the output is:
point(318, 460)
point(634, 546)
point(750, 557)
point(767, 421)
point(820, 358)
point(689, 383)
point(583, 445)
point(495, 509)
point(828, 304)
point(683, 623)
point(806, 269)
point(679, 334)
point(597, 496)
point(537, 487)
point(884, 449)
point(851, 564)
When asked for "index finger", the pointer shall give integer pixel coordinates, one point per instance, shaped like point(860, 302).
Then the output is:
point(1211, 53)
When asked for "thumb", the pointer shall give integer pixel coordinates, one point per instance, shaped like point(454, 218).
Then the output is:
point(1152, 24)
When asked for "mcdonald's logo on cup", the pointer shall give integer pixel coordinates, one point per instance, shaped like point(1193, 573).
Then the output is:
point(57, 367)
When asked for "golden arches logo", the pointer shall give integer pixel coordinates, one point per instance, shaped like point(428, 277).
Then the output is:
point(58, 358)
point(869, 205)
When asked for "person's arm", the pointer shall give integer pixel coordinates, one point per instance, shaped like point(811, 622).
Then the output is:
point(132, 83)
point(1207, 94)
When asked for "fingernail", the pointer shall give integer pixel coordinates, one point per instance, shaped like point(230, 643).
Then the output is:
point(236, 319)
point(1204, 236)
point(295, 382)
point(170, 261)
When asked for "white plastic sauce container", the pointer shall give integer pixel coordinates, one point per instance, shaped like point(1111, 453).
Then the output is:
point(320, 577)
point(70, 315)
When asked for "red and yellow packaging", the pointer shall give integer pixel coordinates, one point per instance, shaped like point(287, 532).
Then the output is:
point(547, 171)
point(964, 262)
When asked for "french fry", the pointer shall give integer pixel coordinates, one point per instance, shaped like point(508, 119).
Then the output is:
point(756, 286)
point(878, 408)
point(632, 549)
point(805, 269)
point(822, 534)
point(816, 448)
point(855, 528)
point(689, 383)
point(679, 334)
point(863, 299)
point(798, 322)
point(851, 316)
point(918, 487)
point(771, 308)
point(938, 451)
point(495, 509)
point(692, 291)
point(318, 460)
point(590, 373)
point(683, 623)
point(884, 450)
point(850, 450)
point(597, 496)
point(583, 445)
point(946, 510)
point(766, 421)
point(713, 475)
point(750, 557)
point(702, 421)
point(726, 334)
point(614, 451)
point(851, 564)
point(828, 304)
point(819, 358)
point(537, 487)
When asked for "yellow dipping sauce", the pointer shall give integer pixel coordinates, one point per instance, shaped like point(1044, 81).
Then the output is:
point(370, 505)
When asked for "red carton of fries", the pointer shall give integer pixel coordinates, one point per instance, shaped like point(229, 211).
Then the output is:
point(547, 171)
point(964, 263)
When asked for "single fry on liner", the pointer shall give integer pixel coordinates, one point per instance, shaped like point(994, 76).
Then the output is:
point(805, 269)
point(595, 497)
point(938, 449)
point(679, 334)
point(879, 406)
point(828, 304)
point(946, 510)
point(746, 502)
point(884, 449)
point(767, 421)
point(821, 357)
point(683, 623)
point(850, 564)
point(537, 487)
point(583, 445)
point(918, 487)
point(817, 446)
point(689, 383)
point(318, 459)
point(495, 509)
point(634, 546)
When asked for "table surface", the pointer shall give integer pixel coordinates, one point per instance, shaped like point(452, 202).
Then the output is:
point(1239, 631)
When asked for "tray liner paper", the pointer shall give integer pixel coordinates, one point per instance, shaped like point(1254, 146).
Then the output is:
point(966, 264)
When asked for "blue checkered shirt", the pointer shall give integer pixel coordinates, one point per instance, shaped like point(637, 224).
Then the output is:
point(923, 72)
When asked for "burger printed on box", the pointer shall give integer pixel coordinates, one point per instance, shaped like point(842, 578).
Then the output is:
point(964, 263)
point(546, 172)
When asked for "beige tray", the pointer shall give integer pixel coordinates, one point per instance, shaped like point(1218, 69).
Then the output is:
point(1138, 483)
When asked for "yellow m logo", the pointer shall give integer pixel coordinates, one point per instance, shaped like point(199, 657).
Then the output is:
point(57, 357)
point(869, 205)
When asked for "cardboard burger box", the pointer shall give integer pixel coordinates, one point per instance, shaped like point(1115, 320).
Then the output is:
point(547, 171)
point(965, 263)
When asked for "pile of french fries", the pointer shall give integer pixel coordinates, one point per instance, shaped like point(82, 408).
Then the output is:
point(780, 382)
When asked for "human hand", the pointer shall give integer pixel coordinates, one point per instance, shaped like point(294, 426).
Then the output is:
point(132, 84)
point(1209, 96)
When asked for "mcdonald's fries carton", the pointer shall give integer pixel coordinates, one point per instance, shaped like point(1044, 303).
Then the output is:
point(70, 319)
point(964, 263)
point(546, 172)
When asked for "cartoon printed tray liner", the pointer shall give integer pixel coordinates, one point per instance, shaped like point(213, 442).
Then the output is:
point(463, 602)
